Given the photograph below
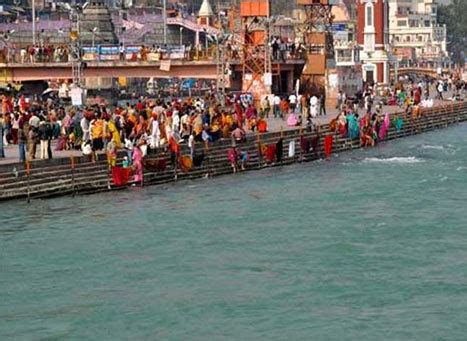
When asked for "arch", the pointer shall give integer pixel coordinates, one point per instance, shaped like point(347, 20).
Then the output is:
point(413, 71)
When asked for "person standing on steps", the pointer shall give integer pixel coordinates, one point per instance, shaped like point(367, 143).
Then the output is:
point(440, 89)
point(276, 106)
point(265, 107)
point(31, 142)
point(22, 139)
point(2, 151)
point(322, 104)
point(122, 52)
point(42, 134)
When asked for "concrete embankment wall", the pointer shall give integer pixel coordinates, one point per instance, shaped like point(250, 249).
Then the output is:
point(55, 177)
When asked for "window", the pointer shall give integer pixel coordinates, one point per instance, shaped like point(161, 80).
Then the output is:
point(401, 23)
point(369, 14)
point(369, 45)
point(427, 23)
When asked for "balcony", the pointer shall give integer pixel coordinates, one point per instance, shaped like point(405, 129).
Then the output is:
point(347, 56)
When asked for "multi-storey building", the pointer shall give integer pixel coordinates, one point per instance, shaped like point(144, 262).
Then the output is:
point(373, 38)
point(414, 32)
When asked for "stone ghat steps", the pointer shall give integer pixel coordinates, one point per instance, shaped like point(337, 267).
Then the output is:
point(50, 173)
point(215, 166)
point(56, 180)
point(92, 182)
point(91, 185)
point(53, 178)
point(40, 166)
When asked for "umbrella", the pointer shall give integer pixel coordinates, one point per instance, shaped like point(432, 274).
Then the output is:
point(48, 91)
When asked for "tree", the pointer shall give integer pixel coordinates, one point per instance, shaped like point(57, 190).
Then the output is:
point(452, 16)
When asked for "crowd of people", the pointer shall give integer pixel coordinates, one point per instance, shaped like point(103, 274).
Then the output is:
point(281, 49)
point(147, 124)
point(40, 53)
point(33, 125)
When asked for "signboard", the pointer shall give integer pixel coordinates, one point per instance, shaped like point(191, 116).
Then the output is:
point(338, 27)
point(165, 65)
point(111, 53)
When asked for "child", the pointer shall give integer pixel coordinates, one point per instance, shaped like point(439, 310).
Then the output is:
point(126, 162)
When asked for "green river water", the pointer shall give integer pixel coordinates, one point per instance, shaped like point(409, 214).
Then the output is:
point(371, 245)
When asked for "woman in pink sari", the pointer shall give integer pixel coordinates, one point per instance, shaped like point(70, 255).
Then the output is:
point(138, 164)
point(384, 127)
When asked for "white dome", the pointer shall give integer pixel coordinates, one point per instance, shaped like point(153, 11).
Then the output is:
point(206, 9)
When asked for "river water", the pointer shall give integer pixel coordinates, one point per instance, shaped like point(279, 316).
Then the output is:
point(371, 245)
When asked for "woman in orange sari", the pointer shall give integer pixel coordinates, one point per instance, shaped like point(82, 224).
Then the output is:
point(140, 127)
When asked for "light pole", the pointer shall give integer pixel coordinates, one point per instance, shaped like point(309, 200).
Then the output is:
point(33, 22)
point(94, 31)
point(164, 16)
point(181, 36)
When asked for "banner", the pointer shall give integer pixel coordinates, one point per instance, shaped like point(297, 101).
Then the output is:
point(165, 65)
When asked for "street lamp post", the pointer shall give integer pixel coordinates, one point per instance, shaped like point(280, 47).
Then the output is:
point(33, 22)
point(164, 16)
point(94, 31)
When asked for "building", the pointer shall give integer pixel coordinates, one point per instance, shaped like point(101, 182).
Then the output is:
point(373, 38)
point(344, 36)
point(414, 32)
point(346, 48)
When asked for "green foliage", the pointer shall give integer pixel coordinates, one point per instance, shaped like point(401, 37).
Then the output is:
point(452, 16)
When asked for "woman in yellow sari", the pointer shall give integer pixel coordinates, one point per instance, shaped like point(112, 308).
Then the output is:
point(112, 128)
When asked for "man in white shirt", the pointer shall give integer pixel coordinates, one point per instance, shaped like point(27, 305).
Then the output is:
point(314, 109)
point(34, 121)
point(292, 102)
point(276, 106)
point(122, 52)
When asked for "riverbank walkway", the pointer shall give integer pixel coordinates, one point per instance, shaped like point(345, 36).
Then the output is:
point(274, 125)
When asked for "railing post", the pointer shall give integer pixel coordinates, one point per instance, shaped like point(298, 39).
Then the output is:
point(206, 155)
point(282, 151)
point(258, 141)
point(28, 172)
point(300, 143)
point(72, 161)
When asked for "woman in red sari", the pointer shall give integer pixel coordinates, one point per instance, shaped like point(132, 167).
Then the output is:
point(239, 114)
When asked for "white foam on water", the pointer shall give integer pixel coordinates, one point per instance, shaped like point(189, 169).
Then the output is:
point(396, 160)
point(427, 146)
point(460, 168)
